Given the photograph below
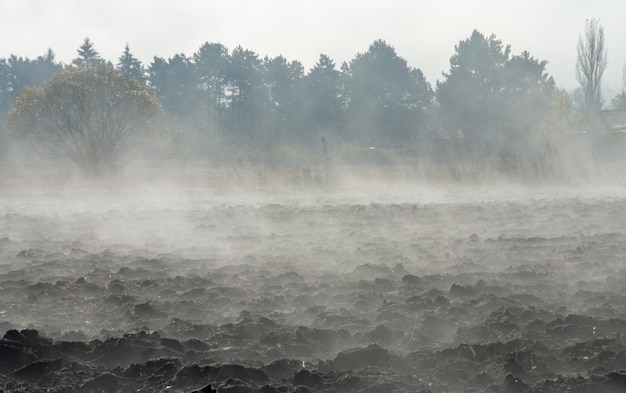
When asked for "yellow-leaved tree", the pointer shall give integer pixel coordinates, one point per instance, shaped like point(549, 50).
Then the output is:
point(560, 118)
point(96, 116)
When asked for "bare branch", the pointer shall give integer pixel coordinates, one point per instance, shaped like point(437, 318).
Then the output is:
point(590, 65)
point(94, 115)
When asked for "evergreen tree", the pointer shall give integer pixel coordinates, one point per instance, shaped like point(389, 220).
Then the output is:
point(212, 63)
point(322, 105)
point(493, 100)
point(470, 93)
point(5, 87)
point(283, 81)
point(18, 73)
point(5, 102)
point(87, 55)
point(246, 92)
point(385, 98)
point(174, 84)
point(131, 65)
point(23, 72)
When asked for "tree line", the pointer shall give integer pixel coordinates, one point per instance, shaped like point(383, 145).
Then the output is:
point(491, 98)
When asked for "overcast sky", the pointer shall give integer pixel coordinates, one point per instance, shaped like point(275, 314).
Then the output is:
point(423, 32)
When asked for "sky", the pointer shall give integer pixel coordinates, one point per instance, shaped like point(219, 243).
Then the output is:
point(422, 32)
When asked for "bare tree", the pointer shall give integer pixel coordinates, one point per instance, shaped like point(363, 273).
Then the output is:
point(590, 65)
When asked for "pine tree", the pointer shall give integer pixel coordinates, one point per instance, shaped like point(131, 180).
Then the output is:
point(131, 65)
point(87, 55)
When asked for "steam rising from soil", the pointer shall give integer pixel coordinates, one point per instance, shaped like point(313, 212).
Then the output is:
point(368, 287)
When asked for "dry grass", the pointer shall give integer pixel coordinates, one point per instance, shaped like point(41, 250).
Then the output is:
point(323, 166)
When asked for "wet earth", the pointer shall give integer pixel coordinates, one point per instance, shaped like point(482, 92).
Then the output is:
point(400, 291)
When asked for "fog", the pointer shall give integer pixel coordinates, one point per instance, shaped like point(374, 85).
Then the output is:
point(195, 208)
point(382, 274)
point(267, 230)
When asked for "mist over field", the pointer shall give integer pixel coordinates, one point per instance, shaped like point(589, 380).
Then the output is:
point(227, 222)
point(365, 286)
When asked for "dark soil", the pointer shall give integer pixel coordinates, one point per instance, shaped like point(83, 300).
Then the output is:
point(315, 294)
